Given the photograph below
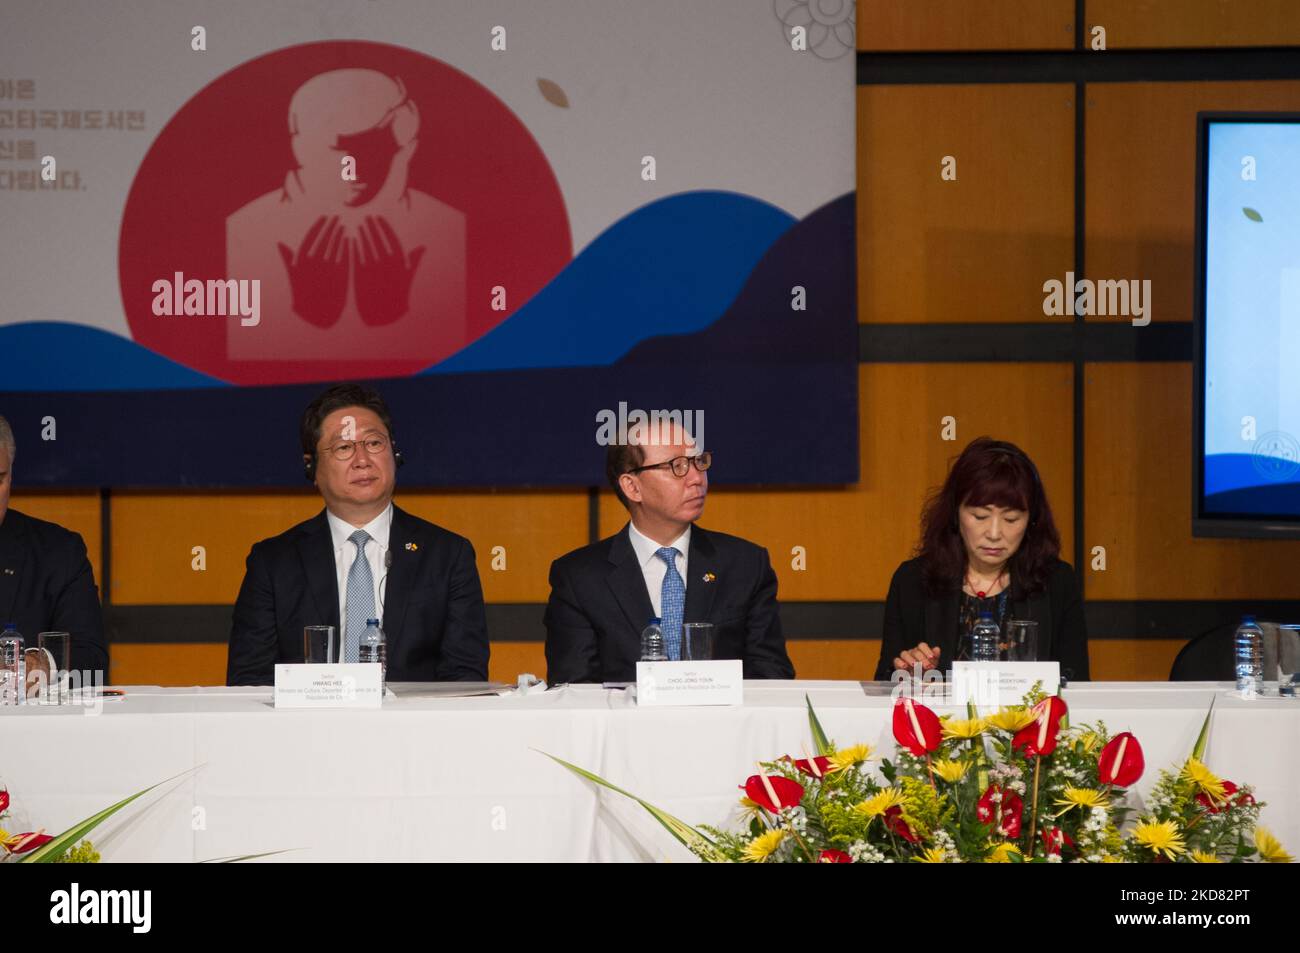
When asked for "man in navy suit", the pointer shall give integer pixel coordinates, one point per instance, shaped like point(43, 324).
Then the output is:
point(46, 581)
point(361, 557)
point(604, 594)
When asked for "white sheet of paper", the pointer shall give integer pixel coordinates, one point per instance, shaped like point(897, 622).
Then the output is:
point(992, 684)
point(665, 684)
point(333, 685)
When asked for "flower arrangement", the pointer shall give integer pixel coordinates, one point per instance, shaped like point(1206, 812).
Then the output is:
point(1018, 785)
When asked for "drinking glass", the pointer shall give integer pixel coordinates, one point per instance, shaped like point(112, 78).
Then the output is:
point(59, 645)
point(697, 642)
point(1022, 641)
point(318, 644)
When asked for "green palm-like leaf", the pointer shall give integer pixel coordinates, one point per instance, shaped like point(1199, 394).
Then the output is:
point(691, 838)
point(824, 746)
point(235, 860)
point(56, 848)
point(1198, 752)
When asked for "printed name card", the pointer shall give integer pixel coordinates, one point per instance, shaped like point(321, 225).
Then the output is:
point(991, 684)
point(334, 685)
point(666, 684)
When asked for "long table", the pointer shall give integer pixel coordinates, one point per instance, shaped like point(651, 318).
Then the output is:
point(466, 778)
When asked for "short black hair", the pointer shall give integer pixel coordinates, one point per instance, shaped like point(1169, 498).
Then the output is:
point(619, 459)
point(336, 398)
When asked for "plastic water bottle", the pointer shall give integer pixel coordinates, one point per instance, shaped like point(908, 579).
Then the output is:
point(374, 648)
point(13, 667)
point(1248, 650)
point(652, 643)
point(984, 639)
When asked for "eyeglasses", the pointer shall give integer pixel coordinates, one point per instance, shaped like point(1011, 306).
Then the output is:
point(374, 444)
point(681, 465)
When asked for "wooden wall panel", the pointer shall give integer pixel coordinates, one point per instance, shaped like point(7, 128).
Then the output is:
point(78, 512)
point(856, 536)
point(533, 527)
point(1195, 23)
point(976, 249)
point(1138, 448)
point(962, 25)
point(1140, 171)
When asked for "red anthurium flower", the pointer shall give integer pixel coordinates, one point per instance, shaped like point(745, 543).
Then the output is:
point(1011, 806)
point(916, 728)
point(1013, 809)
point(834, 857)
point(1120, 762)
point(1229, 789)
point(894, 821)
point(773, 792)
point(814, 767)
point(1054, 839)
point(22, 843)
point(1039, 736)
point(4, 801)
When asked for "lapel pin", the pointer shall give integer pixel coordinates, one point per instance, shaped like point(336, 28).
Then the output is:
point(9, 572)
point(412, 547)
point(709, 577)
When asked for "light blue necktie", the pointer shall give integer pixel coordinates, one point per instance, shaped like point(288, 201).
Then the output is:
point(674, 603)
point(361, 598)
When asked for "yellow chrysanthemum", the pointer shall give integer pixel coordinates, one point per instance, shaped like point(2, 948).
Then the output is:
point(1088, 741)
point(1002, 853)
point(848, 757)
point(967, 728)
point(878, 804)
point(1201, 857)
point(1205, 780)
point(933, 855)
point(762, 846)
point(1270, 849)
point(951, 771)
point(1010, 719)
point(1162, 837)
point(1081, 797)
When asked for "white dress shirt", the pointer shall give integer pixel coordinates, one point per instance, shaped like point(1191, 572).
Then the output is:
point(345, 553)
point(653, 568)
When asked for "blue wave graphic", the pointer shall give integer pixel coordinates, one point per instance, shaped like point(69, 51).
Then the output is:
point(1225, 472)
point(61, 356)
point(671, 267)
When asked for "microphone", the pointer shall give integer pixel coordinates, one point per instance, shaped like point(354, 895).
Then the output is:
point(383, 580)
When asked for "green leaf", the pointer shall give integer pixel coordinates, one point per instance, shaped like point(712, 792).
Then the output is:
point(60, 845)
point(1198, 752)
point(824, 746)
point(689, 837)
point(1253, 215)
point(235, 860)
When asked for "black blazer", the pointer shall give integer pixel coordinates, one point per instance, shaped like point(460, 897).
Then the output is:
point(47, 585)
point(599, 605)
point(912, 616)
point(433, 616)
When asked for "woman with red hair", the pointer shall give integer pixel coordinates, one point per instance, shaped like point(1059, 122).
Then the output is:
point(988, 544)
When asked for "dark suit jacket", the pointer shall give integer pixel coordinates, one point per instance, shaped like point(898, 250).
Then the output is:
point(47, 585)
point(433, 617)
point(599, 605)
point(913, 616)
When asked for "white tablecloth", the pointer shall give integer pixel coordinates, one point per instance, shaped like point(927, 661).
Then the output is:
point(463, 778)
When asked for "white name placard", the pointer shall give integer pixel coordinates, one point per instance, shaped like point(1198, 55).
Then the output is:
point(334, 685)
point(991, 684)
point(664, 684)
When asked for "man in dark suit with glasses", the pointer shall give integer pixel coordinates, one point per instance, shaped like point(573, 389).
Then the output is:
point(361, 557)
point(661, 565)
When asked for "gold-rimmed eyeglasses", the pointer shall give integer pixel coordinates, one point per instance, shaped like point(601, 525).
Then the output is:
point(374, 444)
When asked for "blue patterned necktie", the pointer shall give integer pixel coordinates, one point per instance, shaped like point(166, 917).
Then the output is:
point(360, 598)
point(674, 603)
